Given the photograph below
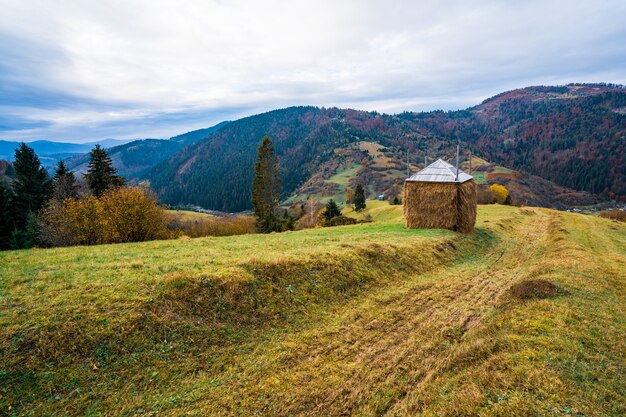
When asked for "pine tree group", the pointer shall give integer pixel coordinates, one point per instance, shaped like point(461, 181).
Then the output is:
point(266, 188)
point(101, 175)
point(359, 198)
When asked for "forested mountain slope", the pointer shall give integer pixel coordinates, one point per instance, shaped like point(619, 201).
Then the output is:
point(133, 158)
point(572, 135)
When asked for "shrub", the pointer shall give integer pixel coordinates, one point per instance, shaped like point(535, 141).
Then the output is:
point(132, 215)
point(219, 226)
point(500, 194)
point(340, 221)
point(129, 214)
point(619, 215)
point(484, 195)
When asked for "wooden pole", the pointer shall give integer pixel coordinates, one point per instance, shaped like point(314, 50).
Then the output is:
point(457, 163)
point(408, 166)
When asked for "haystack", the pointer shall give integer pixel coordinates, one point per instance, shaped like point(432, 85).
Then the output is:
point(438, 197)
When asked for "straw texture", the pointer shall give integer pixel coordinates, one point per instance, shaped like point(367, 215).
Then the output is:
point(431, 205)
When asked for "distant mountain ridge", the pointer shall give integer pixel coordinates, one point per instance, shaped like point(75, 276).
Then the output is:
point(573, 135)
point(132, 159)
point(52, 149)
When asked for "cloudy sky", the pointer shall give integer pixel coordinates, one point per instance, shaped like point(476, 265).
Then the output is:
point(85, 70)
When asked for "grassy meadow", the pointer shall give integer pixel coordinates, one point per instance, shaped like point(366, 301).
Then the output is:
point(370, 319)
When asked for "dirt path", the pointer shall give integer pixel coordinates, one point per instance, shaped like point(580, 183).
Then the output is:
point(368, 357)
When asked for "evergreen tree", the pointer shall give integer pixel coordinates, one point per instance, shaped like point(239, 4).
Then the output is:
point(331, 210)
point(101, 175)
point(359, 198)
point(396, 201)
point(6, 214)
point(25, 237)
point(32, 186)
point(266, 188)
point(64, 183)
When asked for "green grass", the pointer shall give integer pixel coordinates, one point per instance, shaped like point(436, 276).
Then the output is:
point(368, 319)
point(342, 177)
point(479, 177)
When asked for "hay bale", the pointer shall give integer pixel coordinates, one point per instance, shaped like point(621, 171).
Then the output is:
point(433, 205)
point(466, 207)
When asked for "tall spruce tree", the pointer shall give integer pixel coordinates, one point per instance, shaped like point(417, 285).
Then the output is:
point(266, 188)
point(31, 187)
point(101, 175)
point(359, 198)
point(64, 183)
point(6, 214)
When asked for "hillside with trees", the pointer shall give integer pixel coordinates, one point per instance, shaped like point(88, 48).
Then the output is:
point(132, 159)
point(573, 136)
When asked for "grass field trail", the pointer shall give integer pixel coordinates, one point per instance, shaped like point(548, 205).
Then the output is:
point(363, 320)
point(366, 357)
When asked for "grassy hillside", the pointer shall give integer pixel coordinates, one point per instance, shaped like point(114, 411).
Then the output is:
point(369, 319)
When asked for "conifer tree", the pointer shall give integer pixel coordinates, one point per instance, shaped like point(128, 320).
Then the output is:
point(6, 214)
point(101, 175)
point(266, 188)
point(331, 210)
point(359, 198)
point(64, 183)
point(32, 186)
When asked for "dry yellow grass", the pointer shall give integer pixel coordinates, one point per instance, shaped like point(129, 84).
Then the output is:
point(357, 320)
point(187, 215)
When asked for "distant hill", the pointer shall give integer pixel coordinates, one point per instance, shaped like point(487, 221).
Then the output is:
point(49, 151)
point(572, 136)
point(133, 158)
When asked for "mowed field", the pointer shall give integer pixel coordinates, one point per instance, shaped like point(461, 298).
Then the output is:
point(370, 319)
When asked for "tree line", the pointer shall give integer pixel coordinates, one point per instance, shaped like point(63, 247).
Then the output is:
point(61, 210)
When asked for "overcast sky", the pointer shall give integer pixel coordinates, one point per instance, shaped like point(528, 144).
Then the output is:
point(85, 70)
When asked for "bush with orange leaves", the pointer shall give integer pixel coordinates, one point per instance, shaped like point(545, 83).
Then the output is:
point(126, 214)
point(501, 194)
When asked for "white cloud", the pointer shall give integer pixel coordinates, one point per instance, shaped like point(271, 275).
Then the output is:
point(156, 57)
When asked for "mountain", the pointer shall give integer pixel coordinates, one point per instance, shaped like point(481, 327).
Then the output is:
point(572, 136)
point(53, 151)
point(217, 172)
point(133, 158)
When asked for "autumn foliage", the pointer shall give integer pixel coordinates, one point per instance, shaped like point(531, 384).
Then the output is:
point(500, 194)
point(128, 214)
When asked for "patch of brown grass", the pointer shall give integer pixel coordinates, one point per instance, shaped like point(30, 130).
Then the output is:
point(534, 288)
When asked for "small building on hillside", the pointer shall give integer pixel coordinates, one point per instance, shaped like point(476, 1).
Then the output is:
point(440, 197)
